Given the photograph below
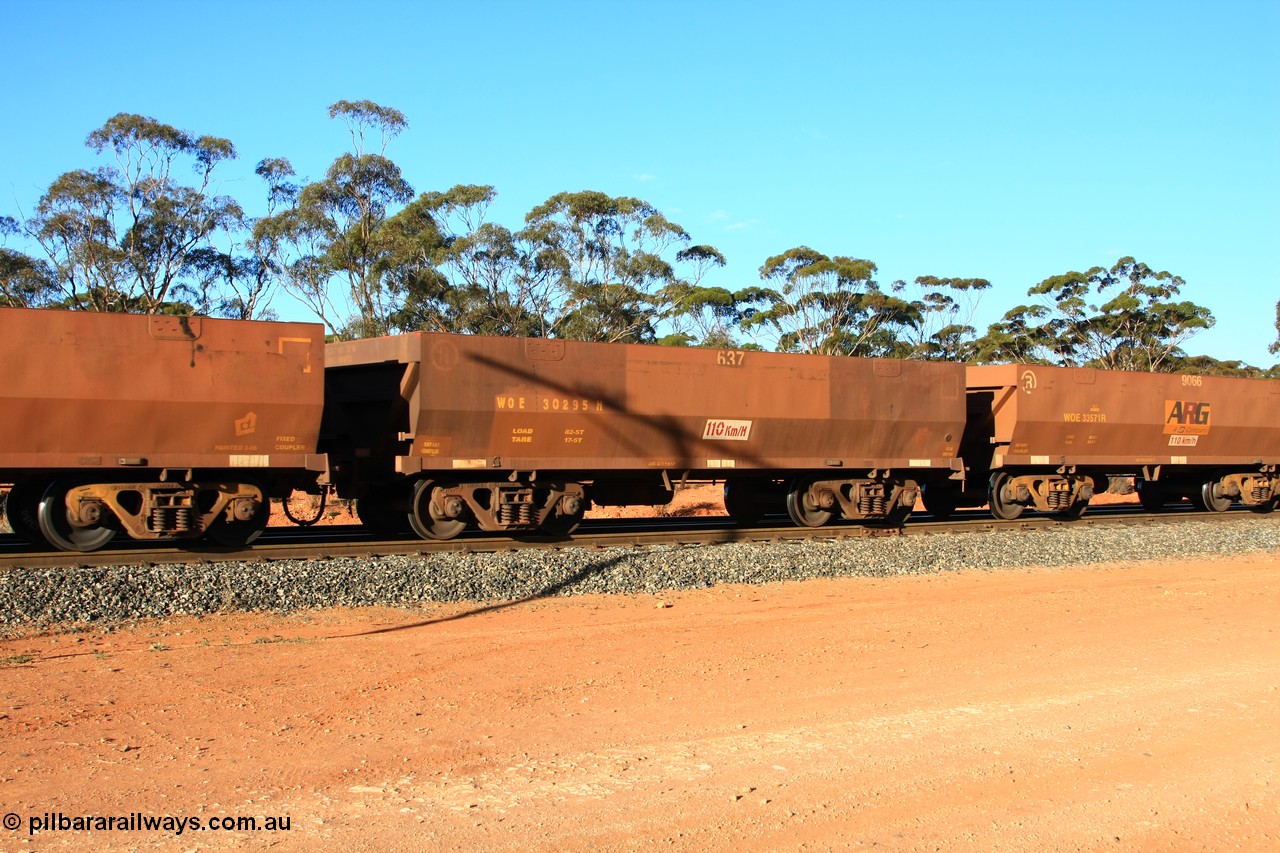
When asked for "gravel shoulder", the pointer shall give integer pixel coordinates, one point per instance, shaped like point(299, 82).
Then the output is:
point(85, 596)
point(1118, 705)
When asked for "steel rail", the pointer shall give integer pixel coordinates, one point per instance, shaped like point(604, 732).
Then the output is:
point(280, 543)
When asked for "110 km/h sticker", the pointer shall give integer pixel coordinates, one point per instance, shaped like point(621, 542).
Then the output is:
point(722, 430)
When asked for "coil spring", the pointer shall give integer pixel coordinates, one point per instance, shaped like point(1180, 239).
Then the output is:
point(515, 513)
point(1261, 494)
point(871, 505)
point(176, 519)
point(1059, 499)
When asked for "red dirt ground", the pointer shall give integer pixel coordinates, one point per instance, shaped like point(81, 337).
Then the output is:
point(1125, 707)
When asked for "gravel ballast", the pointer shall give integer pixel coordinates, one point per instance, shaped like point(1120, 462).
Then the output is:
point(96, 595)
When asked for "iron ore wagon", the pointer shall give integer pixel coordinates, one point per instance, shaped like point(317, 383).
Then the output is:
point(158, 426)
point(1045, 437)
point(441, 431)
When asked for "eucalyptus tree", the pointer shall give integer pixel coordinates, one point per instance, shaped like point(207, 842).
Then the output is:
point(1144, 325)
point(239, 281)
point(1126, 317)
point(1205, 365)
point(25, 282)
point(411, 245)
point(462, 273)
point(700, 315)
point(1015, 338)
point(258, 268)
point(123, 237)
point(604, 262)
point(945, 307)
point(831, 306)
point(332, 229)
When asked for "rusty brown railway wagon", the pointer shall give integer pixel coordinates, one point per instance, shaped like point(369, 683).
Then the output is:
point(157, 426)
point(440, 431)
point(1046, 437)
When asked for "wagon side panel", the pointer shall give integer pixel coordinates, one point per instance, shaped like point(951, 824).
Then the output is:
point(1115, 419)
point(527, 404)
point(91, 390)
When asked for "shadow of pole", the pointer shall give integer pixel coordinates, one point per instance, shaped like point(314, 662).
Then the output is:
point(552, 590)
point(681, 441)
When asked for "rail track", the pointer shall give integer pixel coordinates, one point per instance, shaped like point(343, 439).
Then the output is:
point(320, 543)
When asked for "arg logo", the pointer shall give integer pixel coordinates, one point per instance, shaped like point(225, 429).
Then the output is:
point(1187, 417)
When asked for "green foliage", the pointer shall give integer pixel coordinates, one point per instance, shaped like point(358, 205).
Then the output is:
point(944, 308)
point(239, 281)
point(333, 228)
point(144, 232)
point(127, 237)
point(1204, 365)
point(700, 315)
point(25, 282)
point(366, 117)
point(831, 306)
point(462, 273)
point(245, 281)
point(602, 259)
point(1122, 318)
point(1275, 347)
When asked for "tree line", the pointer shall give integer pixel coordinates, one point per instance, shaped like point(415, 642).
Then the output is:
point(147, 233)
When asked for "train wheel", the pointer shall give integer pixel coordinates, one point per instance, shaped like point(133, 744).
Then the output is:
point(22, 511)
point(1001, 506)
point(426, 518)
point(802, 509)
point(1151, 496)
point(57, 528)
point(314, 511)
point(563, 523)
point(1211, 500)
point(742, 502)
point(240, 532)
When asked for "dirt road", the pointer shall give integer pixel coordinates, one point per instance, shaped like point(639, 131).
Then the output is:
point(1133, 707)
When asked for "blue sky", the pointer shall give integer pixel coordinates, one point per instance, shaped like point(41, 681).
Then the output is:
point(1004, 140)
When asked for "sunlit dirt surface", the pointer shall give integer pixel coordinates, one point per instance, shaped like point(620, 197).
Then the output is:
point(1114, 707)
